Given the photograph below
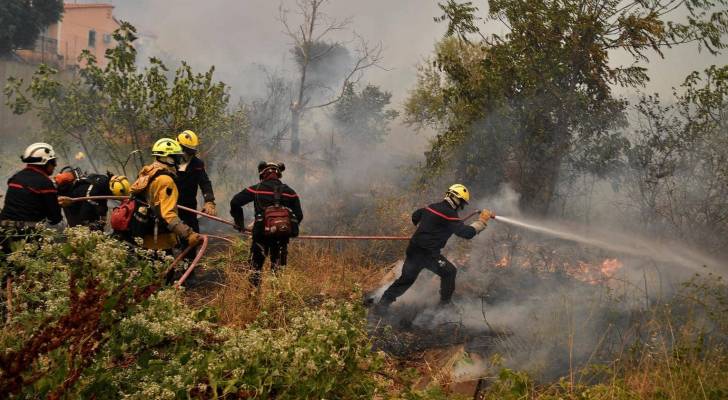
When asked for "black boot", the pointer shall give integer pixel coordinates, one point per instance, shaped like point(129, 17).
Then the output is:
point(382, 307)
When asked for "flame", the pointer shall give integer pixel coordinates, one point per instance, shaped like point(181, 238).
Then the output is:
point(80, 156)
point(610, 266)
point(594, 274)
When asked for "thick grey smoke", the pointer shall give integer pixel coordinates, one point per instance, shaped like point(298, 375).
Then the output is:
point(246, 43)
point(550, 300)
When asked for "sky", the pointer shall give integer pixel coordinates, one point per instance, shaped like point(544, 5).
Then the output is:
point(240, 37)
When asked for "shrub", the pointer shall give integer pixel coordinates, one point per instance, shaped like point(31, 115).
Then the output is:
point(90, 322)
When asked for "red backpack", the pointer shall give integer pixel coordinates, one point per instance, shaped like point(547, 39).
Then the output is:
point(277, 222)
point(122, 215)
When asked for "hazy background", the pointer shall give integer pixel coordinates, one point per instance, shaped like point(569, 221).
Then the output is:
point(234, 35)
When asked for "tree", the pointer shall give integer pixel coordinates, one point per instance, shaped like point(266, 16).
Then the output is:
point(362, 116)
point(522, 102)
point(678, 161)
point(312, 49)
point(21, 22)
point(270, 114)
point(113, 111)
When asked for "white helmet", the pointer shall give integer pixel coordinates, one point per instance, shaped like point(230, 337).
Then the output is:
point(38, 154)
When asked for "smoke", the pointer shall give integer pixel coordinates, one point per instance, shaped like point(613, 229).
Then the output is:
point(534, 292)
point(246, 43)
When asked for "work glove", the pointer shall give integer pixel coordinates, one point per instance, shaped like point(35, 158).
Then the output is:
point(209, 208)
point(182, 230)
point(193, 239)
point(486, 215)
point(482, 221)
point(64, 201)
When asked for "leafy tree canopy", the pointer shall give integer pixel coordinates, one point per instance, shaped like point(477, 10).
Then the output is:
point(112, 111)
point(363, 116)
point(520, 102)
point(21, 21)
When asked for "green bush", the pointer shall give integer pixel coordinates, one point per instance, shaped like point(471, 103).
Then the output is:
point(90, 321)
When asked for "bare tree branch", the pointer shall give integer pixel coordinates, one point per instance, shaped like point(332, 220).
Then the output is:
point(314, 28)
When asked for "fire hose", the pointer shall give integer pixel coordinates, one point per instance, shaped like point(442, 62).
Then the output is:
point(303, 237)
point(193, 264)
point(203, 244)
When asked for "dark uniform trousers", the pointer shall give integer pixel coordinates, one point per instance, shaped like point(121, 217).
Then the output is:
point(262, 195)
point(262, 247)
point(416, 260)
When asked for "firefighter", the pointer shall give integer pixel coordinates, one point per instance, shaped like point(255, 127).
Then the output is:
point(155, 185)
point(31, 196)
point(435, 224)
point(30, 199)
point(74, 183)
point(269, 192)
point(191, 175)
point(119, 186)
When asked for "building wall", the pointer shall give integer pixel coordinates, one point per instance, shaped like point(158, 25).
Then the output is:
point(72, 33)
point(18, 131)
point(16, 126)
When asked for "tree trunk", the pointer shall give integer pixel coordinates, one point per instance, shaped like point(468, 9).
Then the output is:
point(538, 185)
point(542, 155)
point(295, 122)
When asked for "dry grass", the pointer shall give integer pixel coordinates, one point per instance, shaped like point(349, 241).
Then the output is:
point(316, 271)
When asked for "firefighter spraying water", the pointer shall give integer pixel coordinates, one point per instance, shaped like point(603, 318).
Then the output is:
point(435, 223)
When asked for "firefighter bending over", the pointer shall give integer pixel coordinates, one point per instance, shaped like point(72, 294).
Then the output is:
point(73, 183)
point(435, 224)
point(277, 215)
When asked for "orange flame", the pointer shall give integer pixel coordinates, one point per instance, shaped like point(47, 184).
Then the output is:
point(610, 266)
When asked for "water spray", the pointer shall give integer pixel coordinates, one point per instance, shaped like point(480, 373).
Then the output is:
point(629, 244)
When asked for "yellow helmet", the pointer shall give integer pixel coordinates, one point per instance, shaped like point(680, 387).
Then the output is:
point(119, 185)
point(166, 147)
point(188, 139)
point(459, 192)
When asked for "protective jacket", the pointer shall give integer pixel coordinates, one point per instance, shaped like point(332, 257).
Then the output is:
point(262, 195)
point(31, 197)
point(86, 212)
point(156, 186)
point(435, 224)
point(190, 177)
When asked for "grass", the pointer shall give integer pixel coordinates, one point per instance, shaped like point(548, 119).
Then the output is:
point(674, 359)
point(316, 271)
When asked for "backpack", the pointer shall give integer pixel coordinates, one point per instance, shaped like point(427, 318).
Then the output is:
point(277, 221)
point(122, 215)
point(135, 217)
